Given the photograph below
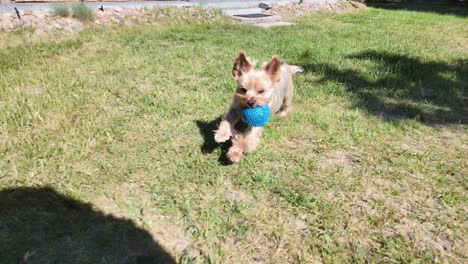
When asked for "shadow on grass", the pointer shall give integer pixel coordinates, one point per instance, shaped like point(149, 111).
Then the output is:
point(405, 87)
point(209, 144)
point(39, 225)
point(445, 7)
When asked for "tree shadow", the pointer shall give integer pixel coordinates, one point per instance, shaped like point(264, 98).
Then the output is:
point(209, 145)
point(39, 225)
point(430, 91)
point(444, 7)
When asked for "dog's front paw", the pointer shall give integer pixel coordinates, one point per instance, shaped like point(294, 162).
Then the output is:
point(222, 135)
point(283, 114)
point(235, 154)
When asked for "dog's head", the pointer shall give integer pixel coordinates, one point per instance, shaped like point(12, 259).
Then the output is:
point(254, 86)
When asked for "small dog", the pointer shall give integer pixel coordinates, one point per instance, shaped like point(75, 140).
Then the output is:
point(272, 85)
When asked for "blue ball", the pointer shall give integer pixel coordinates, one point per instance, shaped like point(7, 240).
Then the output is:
point(257, 116)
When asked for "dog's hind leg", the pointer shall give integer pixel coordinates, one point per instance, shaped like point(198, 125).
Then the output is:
point(289, 93)
point(287, 102)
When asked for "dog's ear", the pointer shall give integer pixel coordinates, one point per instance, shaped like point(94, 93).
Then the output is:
point(273, 69)
point(241, 65)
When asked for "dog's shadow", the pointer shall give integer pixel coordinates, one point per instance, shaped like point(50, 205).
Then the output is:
point(209, 145)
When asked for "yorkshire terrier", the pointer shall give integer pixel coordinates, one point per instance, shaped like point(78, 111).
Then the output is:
point(272, 85)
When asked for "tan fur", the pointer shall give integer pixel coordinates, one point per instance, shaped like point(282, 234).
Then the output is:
point(254, 88)
point(272, 68)
point(287, 103)
point(241, 65)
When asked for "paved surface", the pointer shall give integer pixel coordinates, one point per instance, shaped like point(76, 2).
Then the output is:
point(241, 11)
point(232, 4)
point(248, 11)
point(251, 7)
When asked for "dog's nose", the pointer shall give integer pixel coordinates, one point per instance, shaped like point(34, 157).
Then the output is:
point(250, 103)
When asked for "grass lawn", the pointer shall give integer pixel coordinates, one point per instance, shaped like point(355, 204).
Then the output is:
point(116, 123)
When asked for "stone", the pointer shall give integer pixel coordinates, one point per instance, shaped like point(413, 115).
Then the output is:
point(105, 20)
point(40, 33)
point(27, 24)
point(265, 6)
point(27, 19)
point(69, 25)
point(100, 14)
point(49, 14)
point(58, 26)
point(116, 19)
point(41, 25)
point(40, 14)
point(17, 23)
point(301, 224)
point(7, 26)
point(76, 26)
point(47, 21)
point(67, 29)
point(128, 23)
point(8, 16)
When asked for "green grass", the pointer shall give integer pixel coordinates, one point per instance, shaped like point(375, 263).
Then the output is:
point(370, 167)
point(82, 12)
point(61, 9)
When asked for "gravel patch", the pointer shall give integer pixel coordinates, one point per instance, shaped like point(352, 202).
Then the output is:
point(44, 22)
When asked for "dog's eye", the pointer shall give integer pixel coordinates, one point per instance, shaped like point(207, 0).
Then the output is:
point(243, 90)
point(261, 91)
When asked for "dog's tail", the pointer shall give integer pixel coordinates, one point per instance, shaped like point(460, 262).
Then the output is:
point(293, 69)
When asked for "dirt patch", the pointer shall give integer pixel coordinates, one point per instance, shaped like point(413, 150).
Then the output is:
point(337, 158)
point(456, 136)
point(412, 147)
point(292, 10)
point(414, 219)
point(239, 196)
